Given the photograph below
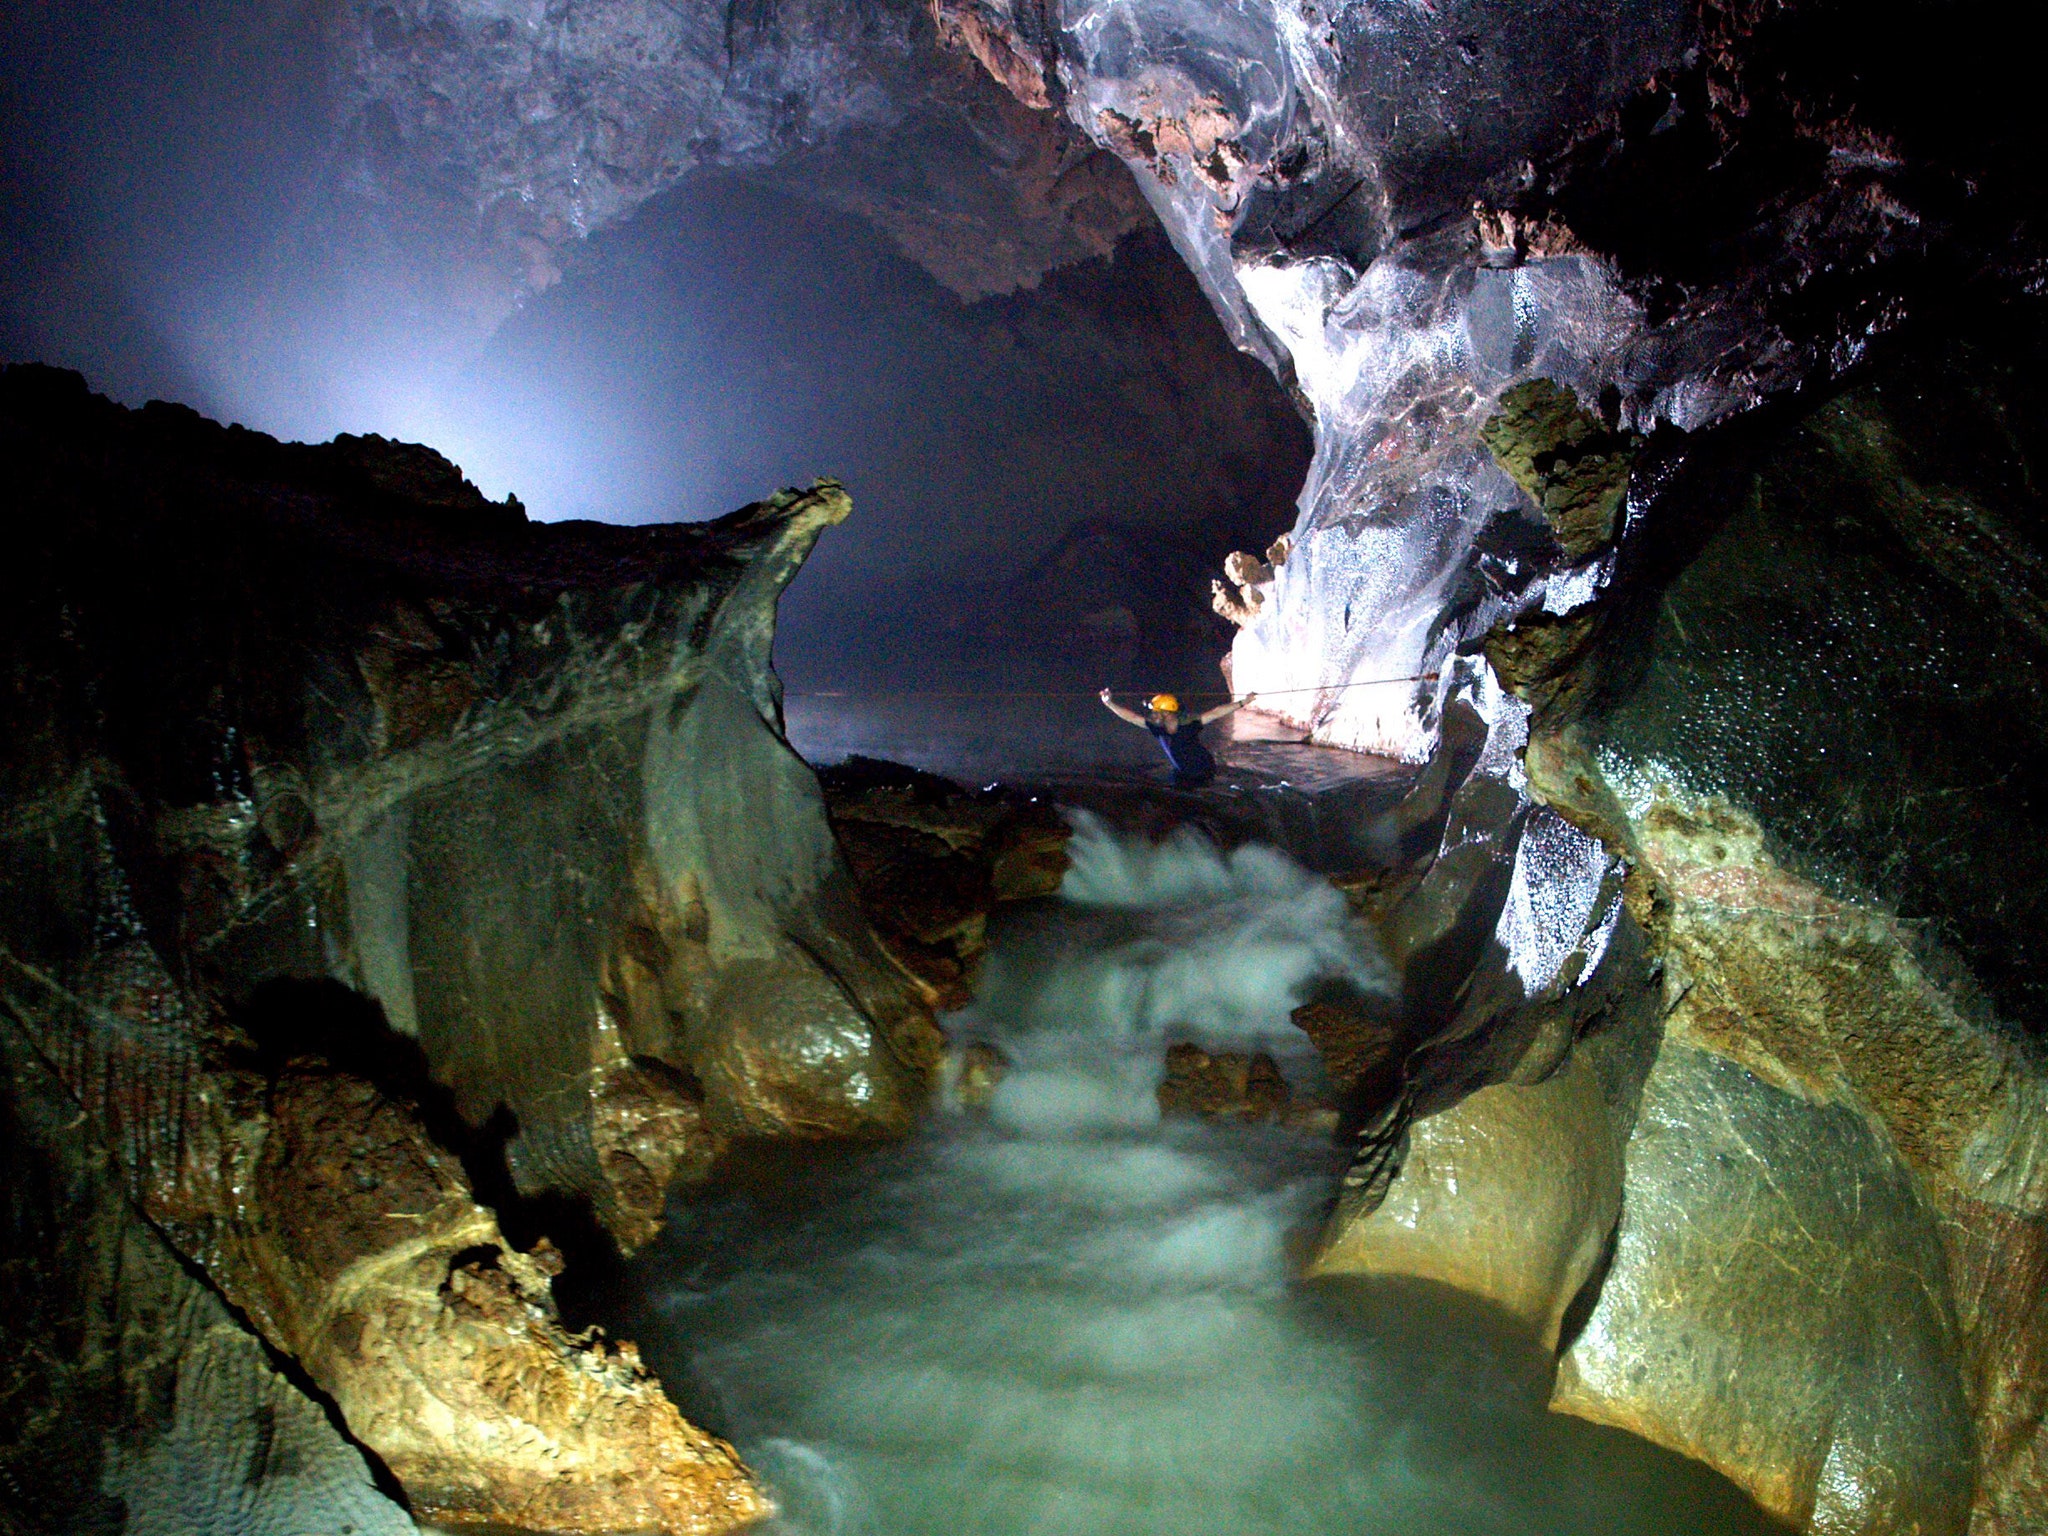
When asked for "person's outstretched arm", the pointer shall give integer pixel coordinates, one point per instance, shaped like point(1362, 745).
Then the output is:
point(1109, 703)
point(1224, 709)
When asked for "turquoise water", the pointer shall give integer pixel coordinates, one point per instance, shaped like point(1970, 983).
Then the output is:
point(1065, 1316)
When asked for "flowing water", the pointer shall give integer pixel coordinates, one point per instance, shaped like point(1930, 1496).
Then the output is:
point(1067, 1316)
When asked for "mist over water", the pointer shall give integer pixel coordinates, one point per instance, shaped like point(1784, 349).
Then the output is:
point(1069, 1315)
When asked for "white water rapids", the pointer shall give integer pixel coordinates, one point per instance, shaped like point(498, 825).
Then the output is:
point(1069, 1317)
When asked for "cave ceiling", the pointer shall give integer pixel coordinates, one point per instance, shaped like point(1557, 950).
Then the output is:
point(504, 134)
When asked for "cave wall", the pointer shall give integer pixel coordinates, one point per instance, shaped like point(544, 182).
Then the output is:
point(1828, 1215)
point(1407, 258)
point(1816, 735)
point(1852, 651)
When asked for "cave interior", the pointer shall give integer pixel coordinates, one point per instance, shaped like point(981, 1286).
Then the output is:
point(580, 954)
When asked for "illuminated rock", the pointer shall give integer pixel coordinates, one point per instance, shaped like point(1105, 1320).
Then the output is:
point(1827, 1282)
point(1778, 1309)
point(132, 1392)
point(1470, 307)
point(361, 1253)
point(1509, 1195)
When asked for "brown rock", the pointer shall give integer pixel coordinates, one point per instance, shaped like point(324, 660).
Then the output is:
point(799, 1059)
point(1030, 855)
point(931, 860)
point(1509, 1196)
point(996, 47)
point(1224, 1085)
point(981, 1068)
point(362, 1254)
point(1358, 1043)
point(648, 1125)
point(1777, 1308)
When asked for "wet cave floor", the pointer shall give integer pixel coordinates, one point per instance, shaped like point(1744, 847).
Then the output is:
point(1064, 1314)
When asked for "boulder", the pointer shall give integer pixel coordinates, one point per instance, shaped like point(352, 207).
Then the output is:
point(1222, 1085)
point(360, 1251)
point(1778, 1308)
point(931, 860)
point(1509, 1196)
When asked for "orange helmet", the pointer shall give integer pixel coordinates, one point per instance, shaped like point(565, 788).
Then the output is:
point(1165, 703)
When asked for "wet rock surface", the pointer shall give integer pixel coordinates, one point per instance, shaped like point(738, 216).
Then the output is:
point(133, 1399)
point(1758, 604)
point(1778, 1308)
point(1850, 650)
point(1226, 1085)
point(1788, 740)
point(1508, 1196)
point(1819, 1094)
point(362, 1255)
point(931, 860)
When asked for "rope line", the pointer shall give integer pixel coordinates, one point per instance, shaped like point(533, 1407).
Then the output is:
point(1072, 693)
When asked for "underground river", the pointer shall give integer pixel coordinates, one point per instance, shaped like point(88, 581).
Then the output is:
point(1063, 1313)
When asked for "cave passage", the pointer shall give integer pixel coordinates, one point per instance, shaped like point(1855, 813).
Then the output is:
point(1065, 1313)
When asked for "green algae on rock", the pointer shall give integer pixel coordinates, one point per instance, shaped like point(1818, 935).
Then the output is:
point(1575, 469)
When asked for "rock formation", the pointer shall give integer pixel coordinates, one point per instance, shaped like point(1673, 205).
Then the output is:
point(932, 860)
point(1675, 433)
point(1223, 1085)
point(1249, 578)
point(364, 841)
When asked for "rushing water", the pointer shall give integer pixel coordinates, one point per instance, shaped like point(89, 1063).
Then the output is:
point(1067, 1316)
